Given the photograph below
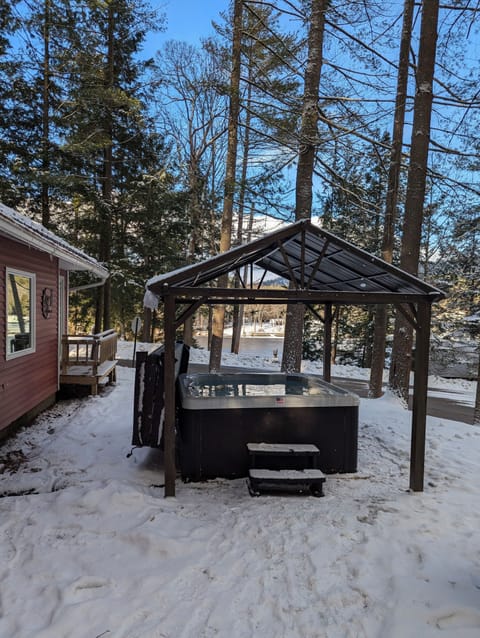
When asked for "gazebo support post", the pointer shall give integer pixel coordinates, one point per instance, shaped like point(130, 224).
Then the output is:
point(169, 387)
point(327, 343)
point(419, 406)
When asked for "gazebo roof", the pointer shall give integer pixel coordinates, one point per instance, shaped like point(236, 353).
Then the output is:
point(313, 259)
point(323, 269)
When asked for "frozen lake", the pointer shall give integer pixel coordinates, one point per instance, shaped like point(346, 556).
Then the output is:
point(262, 346)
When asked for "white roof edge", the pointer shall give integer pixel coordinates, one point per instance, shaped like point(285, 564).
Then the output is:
point(158, 278)
point(23, 229)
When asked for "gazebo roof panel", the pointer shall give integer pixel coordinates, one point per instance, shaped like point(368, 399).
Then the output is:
point(296, 252)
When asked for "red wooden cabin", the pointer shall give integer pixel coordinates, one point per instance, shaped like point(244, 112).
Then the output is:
point(34, 280)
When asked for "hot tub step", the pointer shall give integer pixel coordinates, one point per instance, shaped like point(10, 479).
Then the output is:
point(279, 456)
point(283, 448)
point(264, 479)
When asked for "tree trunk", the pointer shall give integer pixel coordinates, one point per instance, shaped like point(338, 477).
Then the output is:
point(414, 201)
point(147, 325)
point(45, 196)
point(209, 327)
point(107, 171)
point(238, 317)
point(231, 161)
point(98, 310)
point(308, 142)
point(378, 351)
point(368, 340)
point(237, 309)
point(195, 218)
point(476, 410)
point(336, 317)
point(381, 311)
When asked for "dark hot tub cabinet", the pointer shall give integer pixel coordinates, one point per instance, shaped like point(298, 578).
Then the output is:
point(220, 413)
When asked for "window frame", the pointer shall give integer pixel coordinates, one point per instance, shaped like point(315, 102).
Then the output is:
point(33, 324)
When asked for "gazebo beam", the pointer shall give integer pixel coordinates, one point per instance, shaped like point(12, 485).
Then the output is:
point(268, 295)
point(419, 406)
point(169, 385)
point(188, 312)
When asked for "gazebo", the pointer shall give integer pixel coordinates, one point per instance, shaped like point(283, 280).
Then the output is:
point(321, 269)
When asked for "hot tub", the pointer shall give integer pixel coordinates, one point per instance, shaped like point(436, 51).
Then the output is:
point(220, 413)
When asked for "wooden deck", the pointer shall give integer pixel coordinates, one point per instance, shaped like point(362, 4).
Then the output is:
point(89, 359)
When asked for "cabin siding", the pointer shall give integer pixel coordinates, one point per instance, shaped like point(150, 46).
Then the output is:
point(64, 328)
point(30, 380)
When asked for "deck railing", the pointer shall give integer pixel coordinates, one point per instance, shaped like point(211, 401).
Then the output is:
point(87, 359)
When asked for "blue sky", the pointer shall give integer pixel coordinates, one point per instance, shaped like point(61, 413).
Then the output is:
point(188, 20)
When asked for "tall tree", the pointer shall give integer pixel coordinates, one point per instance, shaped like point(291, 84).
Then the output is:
point(10, 87)
point(44, 195)
point(102, 316)
point(192, 110)
point(107, 120)
point(34, 107)
point(381, 311)
point(265, 57)
point(308, 142)
point(416, 185)
point(230, 180)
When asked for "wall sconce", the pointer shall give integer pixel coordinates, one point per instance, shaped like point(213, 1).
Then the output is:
point(47, 302)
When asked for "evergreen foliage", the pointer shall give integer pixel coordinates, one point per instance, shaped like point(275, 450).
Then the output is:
point(100, 129)
point(124, 155)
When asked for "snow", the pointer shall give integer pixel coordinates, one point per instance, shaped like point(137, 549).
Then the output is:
point(34, 229)
point(150, 300)
point(96, 550)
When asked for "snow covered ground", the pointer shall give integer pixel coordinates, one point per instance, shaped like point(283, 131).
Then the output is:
point(90, 547)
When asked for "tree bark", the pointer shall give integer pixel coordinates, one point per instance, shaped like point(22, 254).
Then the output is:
point(414, 201)
point(308, 142)
point(195, 217)
point(381, 311)
point(238, 318)
point(237, 309)
point(45, 195)
point(147, 325)
point(476, 409)
point(229, 191)
point(107, 170)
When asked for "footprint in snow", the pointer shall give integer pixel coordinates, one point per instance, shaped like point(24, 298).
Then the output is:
point(457, 619)
point(85, 588)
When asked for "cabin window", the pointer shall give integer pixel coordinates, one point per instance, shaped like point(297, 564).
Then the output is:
point(20, 313)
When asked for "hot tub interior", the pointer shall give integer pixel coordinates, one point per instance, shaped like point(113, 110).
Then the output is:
point(261, 384)
point(220, 413)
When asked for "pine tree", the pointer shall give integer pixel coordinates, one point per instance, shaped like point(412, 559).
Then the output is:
point(416, 185)
point(106, 114)
point(10, 85)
